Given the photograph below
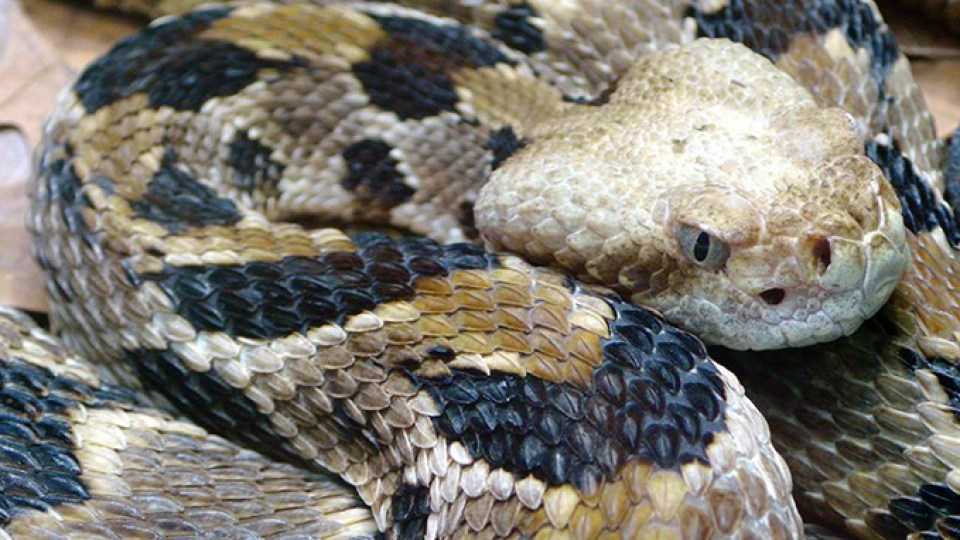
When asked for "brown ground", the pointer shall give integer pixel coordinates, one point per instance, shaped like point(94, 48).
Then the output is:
point(43, 43)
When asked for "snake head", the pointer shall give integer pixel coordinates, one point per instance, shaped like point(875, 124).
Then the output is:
point(804, 263)
point(714, 189)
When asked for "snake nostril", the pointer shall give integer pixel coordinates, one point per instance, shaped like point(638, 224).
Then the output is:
point(821, 251)
point(773, 296)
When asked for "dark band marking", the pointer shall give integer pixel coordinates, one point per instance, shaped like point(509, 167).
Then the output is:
point(503, 143)
point(885, 525)
point(222, 409)
point(442, 352)
point(209, 401)
point(373, 175)
point(947, 373)
point(172, 68)
point(513, 27)
point(918, 202)
point(38, 469)
point(252, 166)
point(951, 174)
point(66, 191)
point(452, 46)
point(656, 397)
point(409, 74)
point(174, 198)
point(935, 509)
point(768, 27)
point(270, 300)
point(411, 508)
point(407, 90)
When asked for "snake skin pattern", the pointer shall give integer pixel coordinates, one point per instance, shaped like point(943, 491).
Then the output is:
point(84, 458)
point(451, 390)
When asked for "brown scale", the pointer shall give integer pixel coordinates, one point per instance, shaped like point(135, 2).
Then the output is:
point(145, 472)
point(445, 177)
point(926, 298)
point(512, 323)
point(296, 381)
point(867, 425)
point(861, 432)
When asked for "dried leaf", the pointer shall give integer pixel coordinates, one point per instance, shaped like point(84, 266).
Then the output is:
point(42, 45)
point(918, 34)
point(938, 79)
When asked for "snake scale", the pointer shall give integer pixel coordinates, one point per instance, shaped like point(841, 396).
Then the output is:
point(762, 174)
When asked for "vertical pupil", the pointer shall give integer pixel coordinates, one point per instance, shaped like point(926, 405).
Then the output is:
point(702, 247)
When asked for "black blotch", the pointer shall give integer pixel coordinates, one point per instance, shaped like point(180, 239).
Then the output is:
point(408, 90)
point(270, 300)
point(441, 352)
point(656, 397)
point(210, 401)
point(172, 68)
point(918, 202)
point(38, 469)
point(252, 166)
point(409, 72)
point(513, 27)
point(912, 512)
point(932, 511)
point(768, 26)
point(411, 508)
point(454, 42)
point(174, 199)
point(66, 196)
point(947, 373)
point(886, 525)
point(207, 399)
point(951, 174)
point(503, 143)
point(373, 175)
point(65, 189)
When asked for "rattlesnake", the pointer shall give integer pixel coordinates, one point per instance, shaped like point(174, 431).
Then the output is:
point(460, 390)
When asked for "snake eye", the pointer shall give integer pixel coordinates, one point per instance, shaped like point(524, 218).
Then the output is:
point(702, 248)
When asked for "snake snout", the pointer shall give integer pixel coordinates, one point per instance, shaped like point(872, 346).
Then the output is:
point(819, 255)
point(846, 267)
point(822, 253)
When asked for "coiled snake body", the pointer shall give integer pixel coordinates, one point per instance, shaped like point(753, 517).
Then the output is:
point(452, 390)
